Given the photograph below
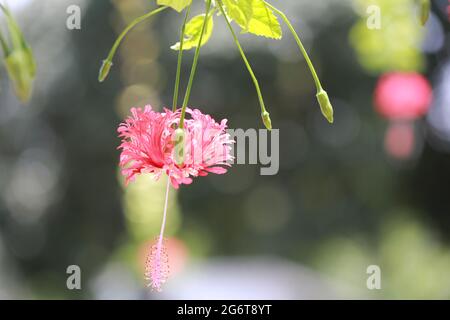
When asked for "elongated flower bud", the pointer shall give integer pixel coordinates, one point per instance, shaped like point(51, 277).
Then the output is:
point(266, 119)
point(104, 70)
point(325, 105)
point(179, 138)
point(425, 7)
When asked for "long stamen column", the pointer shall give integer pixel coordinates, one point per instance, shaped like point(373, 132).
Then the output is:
point(157, 267)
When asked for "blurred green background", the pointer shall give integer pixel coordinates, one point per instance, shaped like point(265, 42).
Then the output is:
point(340, 202)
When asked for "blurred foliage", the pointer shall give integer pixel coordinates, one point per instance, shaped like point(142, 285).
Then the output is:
point(395, 46)
point(414, 263)
point(144, 220)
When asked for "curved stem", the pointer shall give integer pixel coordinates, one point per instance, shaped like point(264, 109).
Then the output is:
point(300, 45)
point(180, 59)
point(194, 66)
point(135, 22)
point(247, 64)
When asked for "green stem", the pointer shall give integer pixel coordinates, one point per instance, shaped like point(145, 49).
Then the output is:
point(300, 45)
point(135, 22)
point(247, 64)
point(194, 66)
point(180, 59)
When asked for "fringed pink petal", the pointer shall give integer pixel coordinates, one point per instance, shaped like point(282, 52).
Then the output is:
point(147, 145)
point(217, 170)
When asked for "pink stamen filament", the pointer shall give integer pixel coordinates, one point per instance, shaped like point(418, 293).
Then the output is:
point(157, 267)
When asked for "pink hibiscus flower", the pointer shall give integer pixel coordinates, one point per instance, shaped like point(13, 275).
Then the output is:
point(151, 144)
point(148, 145)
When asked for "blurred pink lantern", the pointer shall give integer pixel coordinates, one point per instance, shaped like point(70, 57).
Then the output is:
point(448, 10)
point(399, 140)
point(402, 98)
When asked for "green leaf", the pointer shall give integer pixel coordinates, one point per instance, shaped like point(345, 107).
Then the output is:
point(239, 11)
point(255, 17)
point(194, 30)
point(178, 5)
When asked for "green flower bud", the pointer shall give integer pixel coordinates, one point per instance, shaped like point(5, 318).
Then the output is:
point(104, 70)
point(425, 7)
point(19, 59)
point(266, 119)
point(325, 105)
point(178, 139)
point(21, 70)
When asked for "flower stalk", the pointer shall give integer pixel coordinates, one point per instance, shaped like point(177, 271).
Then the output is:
point(194, 65)
point(180, 60)
point(322, 96)
point(264, 113)
point(107, 63)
